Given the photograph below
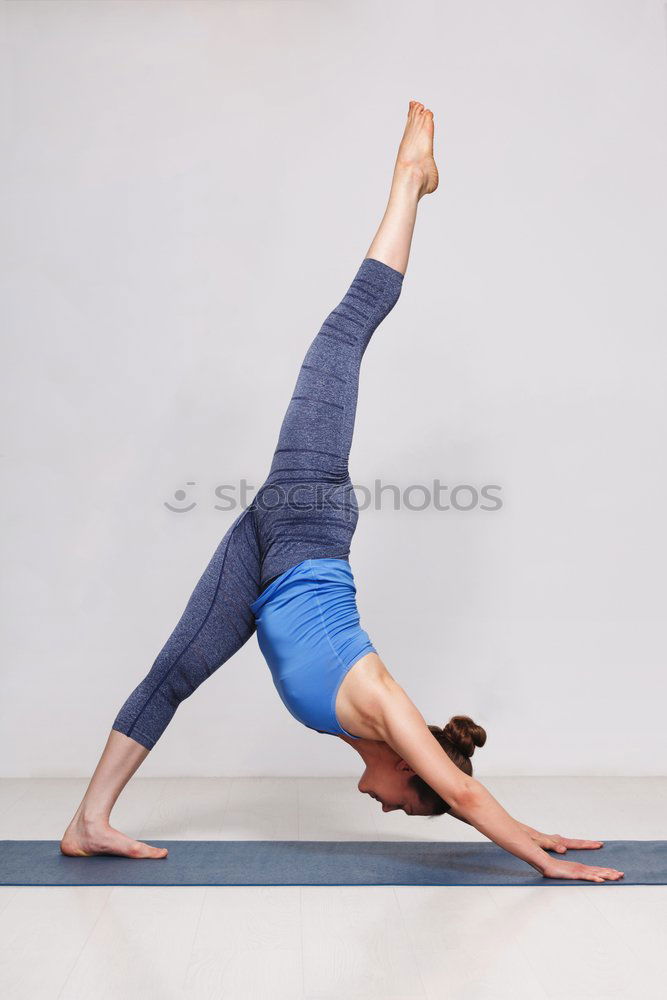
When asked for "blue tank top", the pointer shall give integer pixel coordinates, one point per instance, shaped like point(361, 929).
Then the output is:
point(309, 633)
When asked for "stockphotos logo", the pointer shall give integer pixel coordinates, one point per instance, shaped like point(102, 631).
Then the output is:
point(310, 497)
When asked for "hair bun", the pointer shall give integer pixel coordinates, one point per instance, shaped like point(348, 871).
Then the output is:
point(464, 734)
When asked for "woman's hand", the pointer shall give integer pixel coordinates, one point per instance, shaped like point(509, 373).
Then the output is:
point(554, 842)
point(571, 869)
point(574, 870)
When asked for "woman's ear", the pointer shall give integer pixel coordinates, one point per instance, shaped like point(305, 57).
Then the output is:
point(402, 765)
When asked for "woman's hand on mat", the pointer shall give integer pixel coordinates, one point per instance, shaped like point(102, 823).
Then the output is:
point(574, 870)
point(554, 842)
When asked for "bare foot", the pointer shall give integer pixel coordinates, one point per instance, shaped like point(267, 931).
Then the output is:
point(415, 153)
point(84, 838)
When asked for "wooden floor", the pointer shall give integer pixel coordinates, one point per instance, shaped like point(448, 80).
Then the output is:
point(320, 943)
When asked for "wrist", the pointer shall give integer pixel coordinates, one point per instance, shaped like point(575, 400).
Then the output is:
point(535, 855)
point(542, 862)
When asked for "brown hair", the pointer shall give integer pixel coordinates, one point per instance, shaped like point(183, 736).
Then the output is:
point(458, 739)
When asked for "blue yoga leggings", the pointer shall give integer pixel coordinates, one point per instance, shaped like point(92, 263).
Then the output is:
point(305, 510)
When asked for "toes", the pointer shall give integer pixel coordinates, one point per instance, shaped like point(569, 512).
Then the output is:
point(139, 850)
point(157, 852)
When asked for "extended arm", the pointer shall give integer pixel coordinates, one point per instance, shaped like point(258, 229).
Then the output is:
point(535, 834)
point(399, 723)
point(548, 841)
point(542, 839)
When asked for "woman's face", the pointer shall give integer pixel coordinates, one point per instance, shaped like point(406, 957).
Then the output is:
point(388, 781)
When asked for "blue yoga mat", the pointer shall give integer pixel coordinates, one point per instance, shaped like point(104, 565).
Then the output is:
point(319, 862)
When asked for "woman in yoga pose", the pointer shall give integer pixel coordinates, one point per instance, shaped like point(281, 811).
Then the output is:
point(282, 569)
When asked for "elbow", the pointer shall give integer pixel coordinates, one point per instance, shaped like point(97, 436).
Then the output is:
point(466, 797)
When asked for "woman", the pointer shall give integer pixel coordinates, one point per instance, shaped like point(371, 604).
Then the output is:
point(282, 569)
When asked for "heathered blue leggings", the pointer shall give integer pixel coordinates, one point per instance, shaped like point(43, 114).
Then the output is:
point(306, 509)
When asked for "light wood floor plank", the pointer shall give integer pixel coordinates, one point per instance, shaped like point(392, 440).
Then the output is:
point(42, 932)
point(139, 947)
point(248, 944)
point(354, 945)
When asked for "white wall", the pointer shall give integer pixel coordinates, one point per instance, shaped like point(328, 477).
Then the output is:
point(188, 189)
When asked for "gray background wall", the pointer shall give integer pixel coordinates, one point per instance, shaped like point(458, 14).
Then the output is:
point(188, 188)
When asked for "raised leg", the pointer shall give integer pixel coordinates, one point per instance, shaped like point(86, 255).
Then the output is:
point(306, 508)
point(320, 417)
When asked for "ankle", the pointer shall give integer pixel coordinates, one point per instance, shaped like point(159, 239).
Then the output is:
point(91, 819)
point(409, 177)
